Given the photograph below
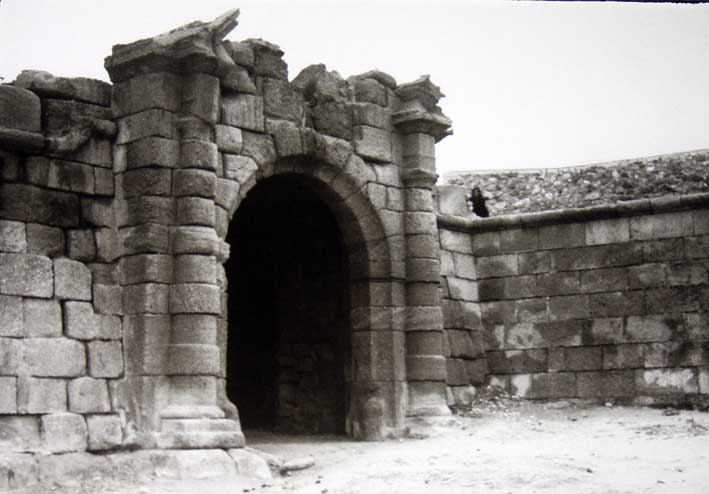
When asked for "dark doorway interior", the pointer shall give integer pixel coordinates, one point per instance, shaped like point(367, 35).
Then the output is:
point(288, 342)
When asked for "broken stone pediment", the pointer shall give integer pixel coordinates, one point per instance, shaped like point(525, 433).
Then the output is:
point(193, 46)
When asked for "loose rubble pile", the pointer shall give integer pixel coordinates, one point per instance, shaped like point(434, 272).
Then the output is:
point(608, 183)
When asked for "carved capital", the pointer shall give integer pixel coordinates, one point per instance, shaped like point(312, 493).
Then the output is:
point(194, 47)
point(413, 117)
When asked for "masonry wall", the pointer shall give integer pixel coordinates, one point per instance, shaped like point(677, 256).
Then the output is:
point(60, 307)
point(605, 303)
point(463, 344)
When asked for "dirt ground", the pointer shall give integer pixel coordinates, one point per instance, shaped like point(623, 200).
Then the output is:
point(501, 448)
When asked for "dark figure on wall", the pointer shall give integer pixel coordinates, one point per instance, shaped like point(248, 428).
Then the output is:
point(478, 200)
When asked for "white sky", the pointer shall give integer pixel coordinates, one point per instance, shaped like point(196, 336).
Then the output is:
point(528, 84)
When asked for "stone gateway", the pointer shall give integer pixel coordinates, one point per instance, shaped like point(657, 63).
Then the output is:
point(204, 245)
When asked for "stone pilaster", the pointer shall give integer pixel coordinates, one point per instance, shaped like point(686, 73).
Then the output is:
point(421, 124)
point(166, 97)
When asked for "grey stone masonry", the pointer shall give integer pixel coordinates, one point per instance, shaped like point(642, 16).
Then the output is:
point(603, 303)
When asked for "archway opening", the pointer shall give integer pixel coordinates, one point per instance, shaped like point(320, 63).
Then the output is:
point(288, 351)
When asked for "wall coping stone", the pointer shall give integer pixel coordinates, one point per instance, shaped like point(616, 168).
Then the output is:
point(571, 215)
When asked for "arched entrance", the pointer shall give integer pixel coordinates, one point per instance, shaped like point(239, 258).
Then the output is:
point(288, 352)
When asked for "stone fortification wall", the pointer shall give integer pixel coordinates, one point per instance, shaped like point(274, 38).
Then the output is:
point(61, 350)
point(520, 191)
point(603, 303)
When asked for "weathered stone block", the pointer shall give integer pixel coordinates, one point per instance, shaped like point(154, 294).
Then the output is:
point(532, 310)
point(195, 298)
point(63, 432)
point(281, 100)
point(616, 304)
point(653, 328)
point(604, 280)
point(193, 359)
point(147, 182)
point(39, 395)
point(29, 275)
point(88, 395)
point(562, 236)
point(523, 335)
point(149, 123)
point(533, 262)
point(153, 151)
point(103, 182)
point(45, 240)
point(647, 275)
point(19, 109)
point(229, 139)
point(371, 91)
point(623, 356)
point(673, 300)
point(145, 298)
point(142, 211)
point(243, 110)
point(195, 211)
point(286, 137)
point(195, 269)
point(8, 396)
point(596, 257)
point(13, 237)
point(75, 88)
point(666, 381)
point(146, 338)
point(81, 245)
point(496, 266)
point(569, 307)
point(541, 386)
point(42, 318)
point(144, 239)
point(608, 231)
point(62, 175)
point(563, 283)
point(144, 268)
point(158, 90)
point(200, 96)
point(259, 147)
point(460, 343)
point(193, 182)
point(661, 226)
point(11, 316)
point(105, 359)
point(19, 433)
point(18, 471)
point(107, 247)
point(105, 432)
point(33, 204)
point(72, 280)
point(606, 384)
point(605, 331)
point(54, 357)
point(11, 355)
point(518, 361)
point(107, 299)
point(194, 240)
point(373, 143)
point(199, 154)
point(669, 249)
point(686, 274)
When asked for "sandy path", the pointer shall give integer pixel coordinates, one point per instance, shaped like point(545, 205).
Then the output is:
point(526, 449)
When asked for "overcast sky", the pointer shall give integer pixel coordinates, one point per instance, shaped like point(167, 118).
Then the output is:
point(527, 84)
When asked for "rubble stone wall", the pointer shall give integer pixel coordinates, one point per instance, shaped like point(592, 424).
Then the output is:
point(522, 191)
point(602, 303)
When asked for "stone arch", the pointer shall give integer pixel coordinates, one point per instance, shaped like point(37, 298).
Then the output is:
point(377, 393)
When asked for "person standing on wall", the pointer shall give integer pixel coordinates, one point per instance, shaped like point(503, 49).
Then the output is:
point(478, 200)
